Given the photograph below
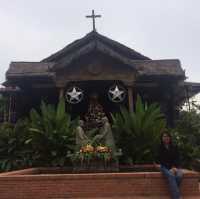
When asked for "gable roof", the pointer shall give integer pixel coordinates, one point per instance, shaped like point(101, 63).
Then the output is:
point(170, 67)
point(93, 41)
point(95, 36)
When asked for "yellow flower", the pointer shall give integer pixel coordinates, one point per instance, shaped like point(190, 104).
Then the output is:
point(87, 149)
point(102, 149)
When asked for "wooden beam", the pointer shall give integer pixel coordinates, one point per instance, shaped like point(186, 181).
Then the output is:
point(146, 84)
point(43, 86)
point(130, 98)
point(10, 108)
point(61, 92)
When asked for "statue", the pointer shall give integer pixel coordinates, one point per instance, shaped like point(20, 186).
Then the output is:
point(91, 144)
point(95, 113)
point(106, 136)
point(81, 137)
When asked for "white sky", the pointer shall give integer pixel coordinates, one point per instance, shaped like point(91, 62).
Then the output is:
point(31, 30)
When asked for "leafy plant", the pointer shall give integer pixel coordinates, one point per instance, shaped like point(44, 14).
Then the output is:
point(3, 103)
point(14, 152)
point(138, 133)
point(42, 140)
point(187, 136)
point(52, 134)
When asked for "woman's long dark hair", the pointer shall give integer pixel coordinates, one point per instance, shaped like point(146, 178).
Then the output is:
point(165, 132)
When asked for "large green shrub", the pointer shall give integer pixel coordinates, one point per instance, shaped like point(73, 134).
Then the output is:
point(138, 133)
point(52, 134)
point(44, 139)
point(3, 102)
point(3, 108)
point(187, 136)
point(14, 152)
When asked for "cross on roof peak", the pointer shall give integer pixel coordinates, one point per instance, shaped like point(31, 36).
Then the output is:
point(93, 16)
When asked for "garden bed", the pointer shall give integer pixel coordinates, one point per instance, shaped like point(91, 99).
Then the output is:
point(57, 183)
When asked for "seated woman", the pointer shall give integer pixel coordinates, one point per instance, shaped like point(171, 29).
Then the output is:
point(169, 160)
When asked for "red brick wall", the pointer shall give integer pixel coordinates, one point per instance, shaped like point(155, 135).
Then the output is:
point(18, 185)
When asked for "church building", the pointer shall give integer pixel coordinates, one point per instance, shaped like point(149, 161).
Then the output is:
point(96, 67)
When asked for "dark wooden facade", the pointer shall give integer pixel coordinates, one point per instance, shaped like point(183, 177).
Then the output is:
point(94, 63)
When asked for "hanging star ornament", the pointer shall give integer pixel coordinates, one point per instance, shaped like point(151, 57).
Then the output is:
point(116, 93)
point(74, 95)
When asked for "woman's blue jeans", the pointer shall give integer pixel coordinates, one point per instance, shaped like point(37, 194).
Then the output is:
point(174, 181)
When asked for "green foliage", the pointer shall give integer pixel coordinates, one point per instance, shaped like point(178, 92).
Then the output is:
point(138, 133)
point(14, 152)
point(44, 139)
point(3, 102)
point(52, 134)
point(187, 136)
point(3, 105)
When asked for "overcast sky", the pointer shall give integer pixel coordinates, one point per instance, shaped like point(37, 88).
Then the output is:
point(31, 30)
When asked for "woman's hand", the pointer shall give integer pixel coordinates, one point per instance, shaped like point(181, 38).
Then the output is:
point(173, 170)
point(157, 166)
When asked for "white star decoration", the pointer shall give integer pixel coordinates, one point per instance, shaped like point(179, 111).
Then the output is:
point(115, 94)
point(74, 95)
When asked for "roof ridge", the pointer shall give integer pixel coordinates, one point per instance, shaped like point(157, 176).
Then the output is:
point(12, 62)
point(67, 47)
point(123, 46)
point(126, 51)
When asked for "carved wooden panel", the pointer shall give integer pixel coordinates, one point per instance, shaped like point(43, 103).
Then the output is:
point(96, 67)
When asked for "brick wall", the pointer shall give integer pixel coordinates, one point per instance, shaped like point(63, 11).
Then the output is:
point(23, 185)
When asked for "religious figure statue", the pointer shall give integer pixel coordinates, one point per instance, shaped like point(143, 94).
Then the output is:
point(81, 137)
point(106, 136)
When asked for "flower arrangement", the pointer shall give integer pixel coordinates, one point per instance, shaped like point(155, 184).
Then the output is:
point(104, 153)
point(89, 153)
point(87, 149)
point(94, 158)
point(103, 149)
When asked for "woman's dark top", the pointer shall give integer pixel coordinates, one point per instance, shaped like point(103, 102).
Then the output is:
point(169, 157)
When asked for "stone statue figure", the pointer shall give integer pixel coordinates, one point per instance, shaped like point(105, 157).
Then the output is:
point(81, 137)
point(106, 136)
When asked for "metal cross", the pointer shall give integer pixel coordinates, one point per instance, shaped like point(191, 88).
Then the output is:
point(93, 16)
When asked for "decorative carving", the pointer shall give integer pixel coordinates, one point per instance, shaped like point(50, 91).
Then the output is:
point(94, 68)
point(74, 95)
point(116, 93)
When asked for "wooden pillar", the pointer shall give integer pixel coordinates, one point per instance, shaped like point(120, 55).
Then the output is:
point(10, 108)
point(130, 98)
point(61, 92)
point(172, 103)
point(5, 110)
point(187, 98)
